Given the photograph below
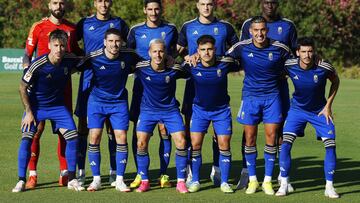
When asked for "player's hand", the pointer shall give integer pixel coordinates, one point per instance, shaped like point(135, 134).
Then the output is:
point(327, 113)
point(193, 59)
point(27, 121)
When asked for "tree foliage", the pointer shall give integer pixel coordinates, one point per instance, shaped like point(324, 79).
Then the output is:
point(333, 23)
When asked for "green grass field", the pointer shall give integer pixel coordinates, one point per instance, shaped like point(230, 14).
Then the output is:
point(307, 168)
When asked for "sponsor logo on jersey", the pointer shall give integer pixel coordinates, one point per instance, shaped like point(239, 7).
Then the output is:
point(296, 77)
point(251, 55)
point(167, 79)
point(280, 30)
point(218, 72)
point(163, 35)
point(122, 64)
point(27, 77)
point(316, 79)
point(216, 31)
point(102, 68)
point(112, 25)
point(148, 78)
point(92, 28)
point(143, 36)
point(195, 32)
point(198, 74)
point(49, 76)
point(271, 57)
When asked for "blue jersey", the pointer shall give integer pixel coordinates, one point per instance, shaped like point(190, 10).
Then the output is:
point(309, 84)
point(140, 36)
point(47, 82)
point(211, 84)
point(159, 87)
point(222, 31)
point(282, 30)
point(110, 75)
point(262, 66)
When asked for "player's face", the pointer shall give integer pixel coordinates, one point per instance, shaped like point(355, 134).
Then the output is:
point(269, 7)
point(102, 6)
point(112, 44)
point(205, 7)
point(153, 12)
point(157, 53)
point(57, 8)
point(206, 52)
point(306, 54)
point(258, 32)
point(57, 48)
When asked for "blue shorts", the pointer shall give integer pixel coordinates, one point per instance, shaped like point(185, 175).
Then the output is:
point(221, 120)
point(148, 120)
point(285, 97)
point(297, 119)
point(59, 116)
point(83, 94)
point(254, 110)
point(189, 95)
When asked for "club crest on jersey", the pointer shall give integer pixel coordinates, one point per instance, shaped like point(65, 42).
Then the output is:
point(122, 64)
point(216, 31)
point(280, 30)
point(167, 79)
point(66, 70)
point(271, 57)
point(218, 72)
point(163, 35)
point(112, 25)
point(316, 79)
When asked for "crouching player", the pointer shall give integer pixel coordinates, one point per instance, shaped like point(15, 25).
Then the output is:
point(159, 104)
point(309, 76)
point(109, 100)
point(211, 104)
point(42, 94)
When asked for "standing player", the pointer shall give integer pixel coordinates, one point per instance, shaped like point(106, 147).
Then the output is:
point(211, 104)
point(159, 104)
point(263, 61)
point(92, 30)
point(139, 37)
point(42, 94)
point(283, 30)
point(38, 40)
point(308, 105)
point(108, 99)
point(225, 36)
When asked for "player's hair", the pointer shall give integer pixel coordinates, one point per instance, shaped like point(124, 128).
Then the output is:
point(146, 2)
point(60, 35)
point(257, 19)
point(113, 31)
point(305, 41)
point(157, 41)
point(205, 39)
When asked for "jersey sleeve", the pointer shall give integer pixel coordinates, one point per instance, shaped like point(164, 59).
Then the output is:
point(84, 63)
point(29, 75)
point(182, 41)
point(124, 30)
point(181, 71)
point(174, 40)
point(231, 37)
point(244, 32)
point(80, 29)
point(234, 52)
point(293, 38)
point(131, 40)
point(32, 40)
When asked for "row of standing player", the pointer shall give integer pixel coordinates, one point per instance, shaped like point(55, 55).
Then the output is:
point(222, 31)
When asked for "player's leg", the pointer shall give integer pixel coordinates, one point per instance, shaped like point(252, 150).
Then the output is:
point(112, 152)
point(164, 155)
point(215, 170)
point(244, 176)
point(35, 153)
point(94, 157)
point(196, 159)
point(83, 132)
point(187, 119)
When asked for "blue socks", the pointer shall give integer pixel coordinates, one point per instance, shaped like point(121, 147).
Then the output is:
point(121, 158)
point(225, 164)
point(181, 163)
point(24, 157)
point(196, 162)
point(71, 151)
point(94, 159)
point(143, 160)
point(250, 156)
point(330, 159)
point(269, 156)
point(164, 153)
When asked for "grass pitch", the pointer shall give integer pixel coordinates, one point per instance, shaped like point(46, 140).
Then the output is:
point(307, 169)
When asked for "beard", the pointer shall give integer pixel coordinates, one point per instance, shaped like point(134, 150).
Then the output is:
point(58, 15)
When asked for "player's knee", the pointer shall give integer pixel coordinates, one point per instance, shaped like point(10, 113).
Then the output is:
point(70, 134)
point(288, 138)
point(28, 135)
point(142, 144)
point(329, 143)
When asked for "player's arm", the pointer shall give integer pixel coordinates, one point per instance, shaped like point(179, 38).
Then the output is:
point(231, 38)
point(182, 71)
point(182, 43)
point(293, 38)
point(244, 32)
point(335, 83)
point(31, 44)
point(29, 116)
